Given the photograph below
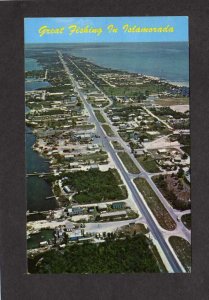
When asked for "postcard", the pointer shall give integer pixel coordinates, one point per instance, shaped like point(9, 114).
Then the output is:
point(107, 143)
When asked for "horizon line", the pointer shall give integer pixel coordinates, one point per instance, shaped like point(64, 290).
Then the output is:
point(185, 41)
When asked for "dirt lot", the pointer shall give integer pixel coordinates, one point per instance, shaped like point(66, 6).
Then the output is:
point(133, 229)
point(172, 101)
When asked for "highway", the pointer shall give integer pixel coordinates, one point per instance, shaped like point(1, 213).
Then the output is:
point(174, 263)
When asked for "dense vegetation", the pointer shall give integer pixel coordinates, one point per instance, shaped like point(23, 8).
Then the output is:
point(175, 201)
point(131, 255)
point(187, 220)
point(95, 186)
point(163, 111)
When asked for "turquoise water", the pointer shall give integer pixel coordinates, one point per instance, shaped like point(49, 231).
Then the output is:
point(33, 85)
point(165, 60)
point(32, 64)
point(36, 238)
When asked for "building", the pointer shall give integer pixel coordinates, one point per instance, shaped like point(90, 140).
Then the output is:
point(74, 165)
point(161, 151)
point(115, 118)
point(66, 189)
point(118, 205)
point(69, 226)
point(94, 167)
point(75, 210)
point(114, 214)
point(93, 147)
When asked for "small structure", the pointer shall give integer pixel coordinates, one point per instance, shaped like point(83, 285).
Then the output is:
point(44, 243)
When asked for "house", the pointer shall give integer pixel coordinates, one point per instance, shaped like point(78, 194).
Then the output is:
point(94, 167)
point(161, 151)
point(93, 147)
point(138, 152)
point(118, 205)
point(102, 206)
point(66, 189)
point(115, 118)
point(83, 137)
point(77, 210)
point(122, 126)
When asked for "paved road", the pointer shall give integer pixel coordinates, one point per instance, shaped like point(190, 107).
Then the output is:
point(177, 268)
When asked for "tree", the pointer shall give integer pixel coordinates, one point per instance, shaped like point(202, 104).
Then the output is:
point(184, 156)
point(180, 173)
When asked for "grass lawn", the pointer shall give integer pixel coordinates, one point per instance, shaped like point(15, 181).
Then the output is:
point(85, 127)
point(186, 219)
point(154, 203)
point(116, 145)
point(99, 116)
point(97, 157)
point(148, 164)
point(128, 163)
point(108, 130)
point(183, 251)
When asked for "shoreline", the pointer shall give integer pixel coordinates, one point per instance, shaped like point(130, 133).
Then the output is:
point(38, 149)
point(164, 80)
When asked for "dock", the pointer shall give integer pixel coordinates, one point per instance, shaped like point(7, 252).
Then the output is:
point(39, 174)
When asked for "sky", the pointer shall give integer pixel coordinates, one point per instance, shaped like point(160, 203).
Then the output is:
point(33, 25)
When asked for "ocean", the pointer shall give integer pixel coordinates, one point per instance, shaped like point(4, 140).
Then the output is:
point(169, 61)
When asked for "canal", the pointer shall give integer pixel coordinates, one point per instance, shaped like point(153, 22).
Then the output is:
point(37, 189)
